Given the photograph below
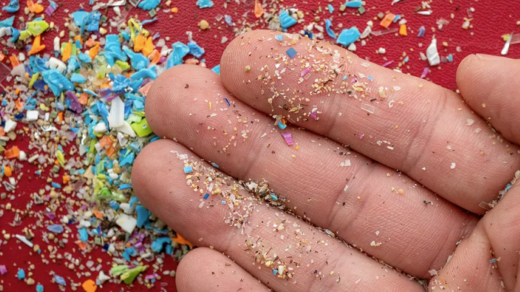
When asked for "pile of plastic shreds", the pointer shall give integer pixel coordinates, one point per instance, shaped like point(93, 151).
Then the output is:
point(83, 108)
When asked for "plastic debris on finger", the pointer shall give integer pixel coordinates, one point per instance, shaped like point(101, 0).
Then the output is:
point(180, 50)
point(288, 138)
point(348, 36)
point(432, 54)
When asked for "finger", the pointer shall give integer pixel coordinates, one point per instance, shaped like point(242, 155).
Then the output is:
point(203, 269)
point(259, 238)
point(350, 200)
point(410, 125)
point(487, 84)
point(488, 260)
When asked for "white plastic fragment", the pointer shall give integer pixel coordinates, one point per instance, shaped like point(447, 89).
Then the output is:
point(32, 115)
point(23, 156)
point(100, 128)
point(57, 44)
point(24, 240)
point(18, 70)
point(57, 64)
point(453, 165)
point(116, 117)
point(9, 125)
point(505, 50)
point(126, 129)
point(352, 47)
point(127, 223)
point(382, 50)
point(432, 54)
point(102, 278)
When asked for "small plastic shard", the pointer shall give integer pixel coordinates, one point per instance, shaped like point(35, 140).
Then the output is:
point(425, 72)
point(129, 276)
point(288, 138)
point(205, 3)
point(24, 240)
point(505, 50)
point(384, 31)
point(286, 20)
point(149, 4)
point(180, 50)
point(422, 30)
point(3, 270)
point(116, 117)
point(60, 280)
point(432, 54)
point(330, 8)
point(291, 53)
point(89, 286)
point(387, 20)
point(330, 32)
point(55, 228)
point(21, 274)
point(259, 10)
point(127, 223)
point(348, 36)
point(354, 4)
point(425, 12)
point(368, 108)
point(12, 7)
point(8, 22)
point(188, 169)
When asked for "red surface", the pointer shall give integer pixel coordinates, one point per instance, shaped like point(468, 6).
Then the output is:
point(491, 19)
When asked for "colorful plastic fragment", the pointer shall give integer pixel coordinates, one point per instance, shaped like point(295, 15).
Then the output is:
point(389, 18)
point(205, 3)
point(3, 270)
point(8, 22)
point(422, 30)
point(39, 288)
point(180, 50)
point(56, 228)
point(89, 286)
point(348, 36)
point(12, 7)
point(286, 20)
point(330, 8)
point(354, 4)
point(21, 274)
point(329, 30)
point(37, 27)
point(149, 4)
point(432, 54)
point(288, 138)
point(60, 280)
point(56, 81)
point(291, 52)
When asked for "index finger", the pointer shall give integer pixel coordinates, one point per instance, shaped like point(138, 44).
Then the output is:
point(401, 121)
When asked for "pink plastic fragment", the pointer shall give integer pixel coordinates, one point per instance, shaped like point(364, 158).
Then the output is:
point(49, 11)
point(384, 31)
point(305, 71)
point(425, 72)
point(152, 276)
point(3, 270)
point(288, 138)
point(313, 115)
point(388, 63)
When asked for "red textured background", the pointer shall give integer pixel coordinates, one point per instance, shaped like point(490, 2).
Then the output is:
point(491, 19)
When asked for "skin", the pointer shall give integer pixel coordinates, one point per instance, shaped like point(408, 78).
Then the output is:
point(408, 207)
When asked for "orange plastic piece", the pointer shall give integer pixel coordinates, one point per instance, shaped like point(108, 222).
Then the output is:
point(259, 10)
point(81, 244)
point(60, 116)
point(148, 47)
point(155, 56)
point(66, 179)
point(78, 37)
point(7, 171)
point(34, 7)
point(139, 42)
point(402, 30)
point(2, 57)
point(89, 286)
point(98, 214)
point(67, 52)
point(105, 141)
point(83, 99)
point(14, 61)
point(182, 240)
point(94, 51)
point(2, 132)
point(90, 43)
point(144, 90)
point(17, 91)
point(18, 104)
point(111, 150)
point(387, 20)
point(37, 46)
point(12, 153)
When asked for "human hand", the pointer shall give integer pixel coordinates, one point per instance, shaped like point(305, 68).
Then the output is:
point(400, 121)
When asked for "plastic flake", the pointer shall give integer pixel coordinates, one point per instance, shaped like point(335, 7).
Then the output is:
point(149, 4)
point(12, 7)
point(205, 3)
point(286, 20)
point(328, 28)
point(354, 4)
point(291, 52)
point(348, 36)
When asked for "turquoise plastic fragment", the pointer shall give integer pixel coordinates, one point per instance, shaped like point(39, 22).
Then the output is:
point(91, 21)
point(55, 228)
point(279, 37)
point(113, 50)
point(348, 36)
point(39, 288)
point(286, 20)
point(330, 32)
point(180, 50)
point(21, 274)
point(37, 27)
point(216, 69)
point(57, 82)
point(354, 4)
point(139, 61)
point(195, 50)
point(205, 3)
point(12, 7)
point(157, 245)
point(78, 78)
point(85, 58)
point(60, 280)
point(331, 8)
point(73, 64)
point(145, 73)
point(78, 16)
point(7, 22)
point(149, 4)
point(15, 34)
point(142, 215)
point(83, 234)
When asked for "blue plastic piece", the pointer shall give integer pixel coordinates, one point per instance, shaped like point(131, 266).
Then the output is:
point(282, 126)
point(56, 185)
point(422, 30)
point(216, 69)
point(85, 58)
point(291, 53)
point(331, 8)
point(78, 78)
point(7, 22)
point(127, 160)
point(149, 4)
point(188, 169)
point(228, 20)
point(145, 73)
point(60, 280)
point(348, 36)
point(133, 200)
point(57, 82)
point(113, 50)
point(157, 245)
point(56, 228)
point(279, 37)
point(146, 21)
point(354, 4)
point(139, 61)
point(21, 274)
point(450, 58)
point(274, 197)
point(15, 34)
point(91, 21)
point(396, 18)
point(286, 20)
point(142, 215)
point(12, 7)
point(78, 16)
point(195, 50)
point(39, 288)
point(329, 30)
point(83, 234)
point(72, 64)
point(205, 3)
point(114, 205)
point(206, 196)
point(180, 50)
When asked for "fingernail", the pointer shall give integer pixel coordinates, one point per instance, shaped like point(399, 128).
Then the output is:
point(489, 57)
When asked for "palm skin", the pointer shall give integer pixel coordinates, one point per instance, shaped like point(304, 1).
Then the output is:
point(352, 124)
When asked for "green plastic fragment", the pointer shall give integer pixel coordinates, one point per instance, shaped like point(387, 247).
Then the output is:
point(106, 194)
point(74, 49)
point(24, 34)
point(129, 276)
point(61, 158)
point(361, 10)
point(123, 65)
point(142, 129)
point(33, 79)
point(118, 270)
point(37, 27)
point(92, 148)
